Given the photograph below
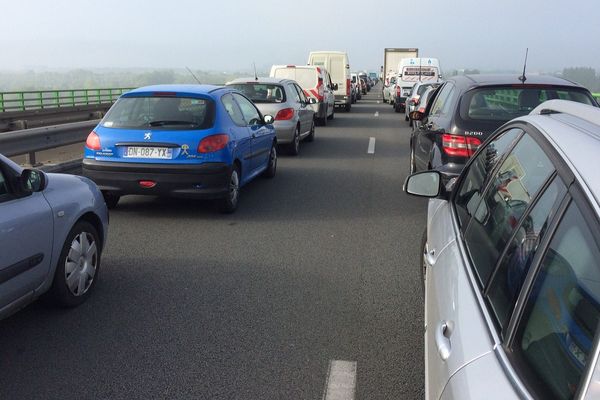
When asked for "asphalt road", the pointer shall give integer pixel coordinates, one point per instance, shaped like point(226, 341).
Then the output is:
point(318, 264)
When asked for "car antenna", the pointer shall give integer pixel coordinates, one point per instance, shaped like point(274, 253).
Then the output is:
point(255, 74)
point(523, 78)
point(195, 77)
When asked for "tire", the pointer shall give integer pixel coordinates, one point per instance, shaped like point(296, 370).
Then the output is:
point(323, 120)
point(348, 107)
point(272, 165)
point(111, 199)
point(311, 135)
point(406, 118)
point(77, 270)
point(294, 147)
point(413, 166)
point(397, 107)
point(332, 114)
point(423, 266)
point(228, 204)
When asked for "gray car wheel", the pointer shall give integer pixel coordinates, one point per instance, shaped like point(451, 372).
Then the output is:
point(294, 147)
point(228, 204)
point(78, 266)
point(311, 135)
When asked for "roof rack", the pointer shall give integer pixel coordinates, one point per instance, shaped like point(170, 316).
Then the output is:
point(583, 111)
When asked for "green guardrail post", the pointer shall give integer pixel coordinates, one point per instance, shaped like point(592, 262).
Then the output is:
point(72, 98)
point(40, 99)
point(21, 100)
point(2, 102)
point(56, 98)
point(98, 96)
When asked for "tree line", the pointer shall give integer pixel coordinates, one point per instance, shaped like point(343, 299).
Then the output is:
point(18, 81)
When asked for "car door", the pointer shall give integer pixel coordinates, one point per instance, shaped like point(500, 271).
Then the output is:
point(331, 96)
point(26, 234)
point(260, 134)
point(240, 131)
point(435, 123)
point(305, 112)
point(456, 330)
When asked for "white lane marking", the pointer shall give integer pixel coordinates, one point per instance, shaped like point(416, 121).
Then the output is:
point(341, 380)
point(376, 113)
point(377, 101)
point(371, 148)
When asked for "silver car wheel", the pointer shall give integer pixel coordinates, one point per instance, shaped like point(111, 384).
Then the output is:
point(81, 263)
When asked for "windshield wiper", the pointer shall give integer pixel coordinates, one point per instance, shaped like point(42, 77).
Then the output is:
point(171, 122)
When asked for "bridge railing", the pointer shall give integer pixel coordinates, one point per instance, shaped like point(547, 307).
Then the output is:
point(44, 99)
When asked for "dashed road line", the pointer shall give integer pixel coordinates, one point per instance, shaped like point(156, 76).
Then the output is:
point(341, 380)
point(376, 114)
point(371, 148)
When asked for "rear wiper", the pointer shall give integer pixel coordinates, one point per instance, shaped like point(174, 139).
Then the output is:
point(171, 122)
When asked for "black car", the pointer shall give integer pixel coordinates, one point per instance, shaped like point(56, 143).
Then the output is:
point(465, 110)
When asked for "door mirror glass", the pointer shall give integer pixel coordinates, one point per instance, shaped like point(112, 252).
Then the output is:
point(268, 119)
point(312, 100)
point(423, 184)
point(32, 180)
point(335, 86)
point(416, 116)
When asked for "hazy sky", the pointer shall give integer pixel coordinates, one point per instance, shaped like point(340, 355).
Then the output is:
point(231, 34)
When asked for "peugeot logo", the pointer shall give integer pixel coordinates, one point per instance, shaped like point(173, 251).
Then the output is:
point(147, 135)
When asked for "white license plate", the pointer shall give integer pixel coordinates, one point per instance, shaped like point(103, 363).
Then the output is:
point(149, 152)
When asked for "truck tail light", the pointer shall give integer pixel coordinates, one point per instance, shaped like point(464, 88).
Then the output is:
point(459, 146)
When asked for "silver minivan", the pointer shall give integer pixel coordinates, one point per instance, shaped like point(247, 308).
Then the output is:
point(511, 263)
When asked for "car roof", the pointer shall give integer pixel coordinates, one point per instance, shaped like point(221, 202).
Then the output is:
point(574, 130)
point(510, 79)
point(278, 81)
point(189, 88)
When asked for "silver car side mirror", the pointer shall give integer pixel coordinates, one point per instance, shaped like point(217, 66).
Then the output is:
point(424, 184)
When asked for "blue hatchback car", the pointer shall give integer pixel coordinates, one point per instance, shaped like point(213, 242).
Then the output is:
point(198, 141)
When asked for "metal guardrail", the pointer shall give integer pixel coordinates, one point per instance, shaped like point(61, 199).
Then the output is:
point(44, 99)
point(30, 141)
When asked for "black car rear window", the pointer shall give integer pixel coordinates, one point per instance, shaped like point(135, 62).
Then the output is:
point(262, 92)
point(159, 112)
point(506, 103)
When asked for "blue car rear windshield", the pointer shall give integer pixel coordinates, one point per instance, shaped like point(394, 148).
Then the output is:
point(166, 113)
point(506, 103)
point(262, 92)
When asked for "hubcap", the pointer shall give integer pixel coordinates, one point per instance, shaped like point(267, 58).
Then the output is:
point(234, 187)
point(81, 263)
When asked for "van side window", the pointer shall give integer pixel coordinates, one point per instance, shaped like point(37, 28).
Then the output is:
point(555, 336)
point(508, 280)
point(470, 191)
point(515, 184)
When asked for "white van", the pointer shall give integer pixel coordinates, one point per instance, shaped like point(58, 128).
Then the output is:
point(338, 65)
point(315, 82)
point(411, 71)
